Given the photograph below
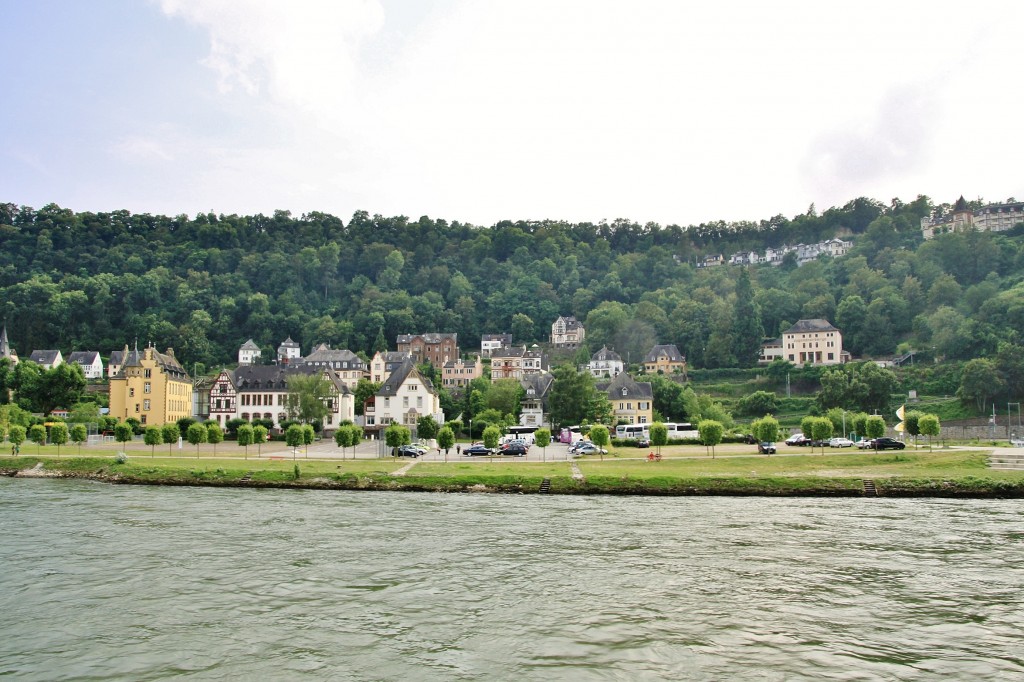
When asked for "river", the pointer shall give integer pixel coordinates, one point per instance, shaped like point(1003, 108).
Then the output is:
point(106, 582)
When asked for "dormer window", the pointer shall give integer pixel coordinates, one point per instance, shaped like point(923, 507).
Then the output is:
point(625, 392)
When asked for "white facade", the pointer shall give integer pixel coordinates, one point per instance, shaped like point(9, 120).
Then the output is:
point(406, 400)
point(249, 353)
point(90, 362)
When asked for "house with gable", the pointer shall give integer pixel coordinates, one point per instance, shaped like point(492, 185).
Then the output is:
point(458, 373)
point(516, 363)
point(435, 348)
point(288, 352)
point(664, 359)
point(814, 342)
point(89, 361)
point(383, 363)
point(567, 332)
point(492, 342)
point(536, 388)
point(249, 353)
point(604, 363)
point(632, 401)
point(349, 366)
point(116, 361)
point(405, 397)
point(47, 359)
point(152, 387)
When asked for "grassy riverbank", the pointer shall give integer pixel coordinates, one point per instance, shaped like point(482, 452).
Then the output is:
point(907, 473)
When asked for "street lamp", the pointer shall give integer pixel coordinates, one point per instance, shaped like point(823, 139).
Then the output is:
point(471, 430)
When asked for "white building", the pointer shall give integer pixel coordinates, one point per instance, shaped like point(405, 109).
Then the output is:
point(814, 342)
point(288, 352)
point(405, 397)
point(605, 363)
point(89, 361)
point(249, 353)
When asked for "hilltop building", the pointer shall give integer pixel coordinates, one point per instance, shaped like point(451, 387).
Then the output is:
point(151, 387)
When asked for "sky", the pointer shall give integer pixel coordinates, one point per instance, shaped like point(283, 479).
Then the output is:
point(486, 110)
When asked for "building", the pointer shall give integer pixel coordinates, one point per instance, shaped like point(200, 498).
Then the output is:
point(405, 397)
point(989, 218)
point(116, 360)
point(435, 348)
point(632, 401)
point(6, 351)
point(567, 332)
point(151, 387)
point(384, 363)
point(47, 359)
point(288, 352)
point(89, 361)
point(664, 359)
point(770, 350)
point(493, 342)
point(261, 392)
point(458, 373)
point(249, 353)
point(536, 388)
point(814, 342)
point(349, 366)
point(604, 363)
point(516, 363)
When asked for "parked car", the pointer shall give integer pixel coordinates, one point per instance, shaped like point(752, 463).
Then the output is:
point(886, 443)
point(477, 449)
point(840, 442)
point(749, 439)
point(514, 449)
point(865, 443)
point(798, 439)
point(643, 442)
point(766, 448)
point(589, 448)
point(409, 451)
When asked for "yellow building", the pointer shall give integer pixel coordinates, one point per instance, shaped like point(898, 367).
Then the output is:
point(152, 387)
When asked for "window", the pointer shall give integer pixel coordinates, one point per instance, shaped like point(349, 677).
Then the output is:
point(131, 392)
point(143, 419)
point(405, 401)
point(145, 405)
point(148, 373)
point(413, 387)
point(147, 387)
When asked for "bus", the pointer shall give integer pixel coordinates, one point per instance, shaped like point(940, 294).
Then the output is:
point(681, 430)
point(569, 434)
point(633, 431)
point(520, 432)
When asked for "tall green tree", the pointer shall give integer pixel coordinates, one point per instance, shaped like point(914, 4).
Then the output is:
point(153, 436)
point(79, 434)
point(980, 382)
point(214, 435)
point(170, 434)
point(59, 435)
point(747, 332)
point(123, 432)
point(710, 434)
point(307, 397)
point(244, 434)
point(195, 435)
point(659, 435)
point(574, 398)
point(929, 425)
point(17, 437)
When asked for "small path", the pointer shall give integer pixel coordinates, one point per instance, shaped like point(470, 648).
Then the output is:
point(404, 470)
point(577, 475)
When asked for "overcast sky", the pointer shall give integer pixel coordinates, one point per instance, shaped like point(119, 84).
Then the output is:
point(479, 111)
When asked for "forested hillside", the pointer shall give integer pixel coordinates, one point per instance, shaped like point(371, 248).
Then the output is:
point(207, 283)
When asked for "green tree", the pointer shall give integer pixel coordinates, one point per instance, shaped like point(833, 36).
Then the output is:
point(822, 430)
point(153, 436)
point(170, 433)
point(980, 382)
point(542, 437)
point(293, 437)
point(446, 440)
point(37, 434)
point(59, 435)
point(599, 437)
point(123, 432)
point(659, 435)
point(767, 429)
point(427, 427)
point(244, 434)
point(807, 426)
point(308, 436)
point(196, 434)
point(79, 434)
point(747, 332)
point(396, 436)
point(874, 426)
point(365, 389)
point(259, 434)
point(910, 422)
point(214, 435)
point(860, 421)
point(757, 403)
point(506, 396)
point(574, 399)
point(710, 434)
point(307, 396)
point(491, 435)
point(17, 437)
point(929, 425)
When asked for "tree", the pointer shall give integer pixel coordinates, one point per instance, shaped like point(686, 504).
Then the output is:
point(59, 435)
point(427, 427)
point(259, 434)
point(491, 435)
point(747, 332)
point(874, 427)
point(307, 396)
point(542, 437)
point(757, 403)
point(79, 434)
point(821, 430)
point(766, 429)
point(710, 434)
point(575, 399)
point(396, 436)
point(17, 437)
point(506, 396)
point(293, 437)
point(170, 434)
point(659, 435)
point(365, 389)
point(911, 423)
point(244, 434)
point(446, 440)
point(859, 421)
point(154, 436)
point(599, 437)
point(123, 432)
point(980, 382)
point(37, 434)
point(929, 425)
point(308, 436)
point(196, 434)
point(214, 435)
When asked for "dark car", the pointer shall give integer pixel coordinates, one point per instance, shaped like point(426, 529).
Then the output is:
point(749, 439)
point(409, 451)
point(886, 443)
point(477, 450)
point(514, 449)
point(766, 448)
point(643, 442)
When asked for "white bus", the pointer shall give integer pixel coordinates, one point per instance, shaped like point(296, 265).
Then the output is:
point(623, 431)
point(681, 430)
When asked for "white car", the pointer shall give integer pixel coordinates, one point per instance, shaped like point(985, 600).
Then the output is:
point(840, 443)
point(590, 449)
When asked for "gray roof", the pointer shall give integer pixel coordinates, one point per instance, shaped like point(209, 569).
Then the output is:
point(117, 357)
point(249, 345)
point(399, 377)
point(540, 383)
point(275, 377)
point(324, 353)
point(606, 355)
point(44, 357)
point(634, 389)
point(166, 361)
point(808, 326)
point(668, 350)
point(84, 357)
point(506, 339)
point(435, 337)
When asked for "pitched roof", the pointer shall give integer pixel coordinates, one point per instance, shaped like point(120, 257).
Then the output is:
point(84, 357)
point(249, 345)
point(432, 338)
point(606, 355)
point(44, 357)
point(540, 383)
point(806, 326)
point(667, 350)
point(324, 353)
point(400, 376)
point(633, 388)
